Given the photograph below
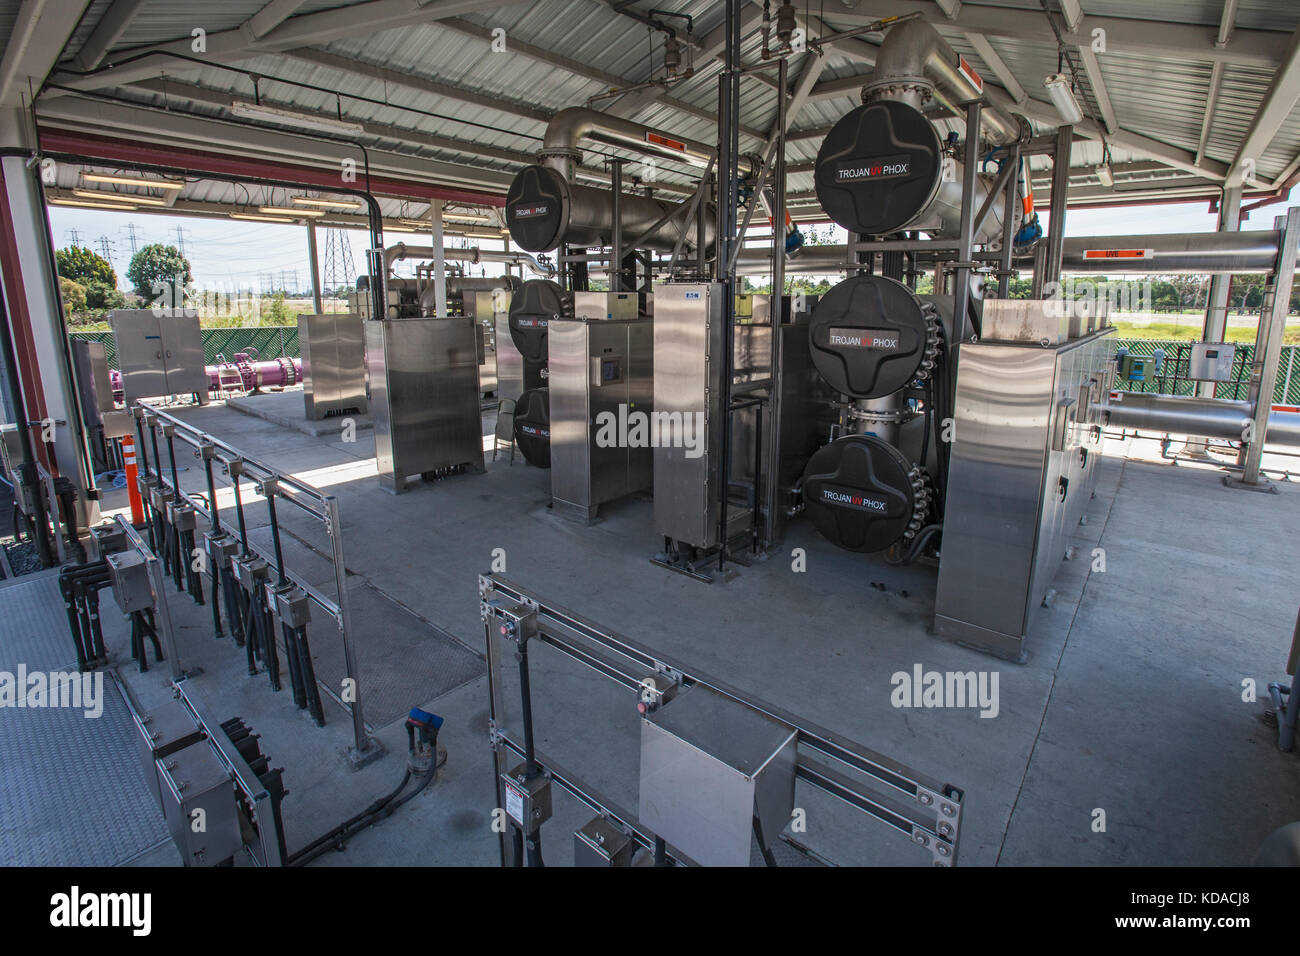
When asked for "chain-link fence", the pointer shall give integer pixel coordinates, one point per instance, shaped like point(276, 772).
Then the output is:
point(263, 341)
point(1172, 378)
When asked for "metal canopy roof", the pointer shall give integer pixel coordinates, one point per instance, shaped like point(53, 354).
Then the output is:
point(1184, 96)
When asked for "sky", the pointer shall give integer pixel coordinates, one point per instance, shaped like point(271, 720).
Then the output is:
point(228, 256)
point(224, 255)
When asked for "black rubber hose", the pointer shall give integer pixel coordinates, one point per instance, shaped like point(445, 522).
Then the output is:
point(327, 840)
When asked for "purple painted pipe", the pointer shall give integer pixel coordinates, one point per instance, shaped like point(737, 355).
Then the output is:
point(270, 373)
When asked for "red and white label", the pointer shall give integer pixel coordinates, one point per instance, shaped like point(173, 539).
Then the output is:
point(968, 71)
point(1119, 253)
point(664, 141)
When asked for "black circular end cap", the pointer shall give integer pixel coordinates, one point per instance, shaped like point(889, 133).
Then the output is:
point(858, 493)
point(878, 167)
point(533, 426)
point(532, 307)
point(868, 336)
point(537, 208)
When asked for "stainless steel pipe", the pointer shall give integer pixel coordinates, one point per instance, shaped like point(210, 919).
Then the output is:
point(569, 127)
point(915, 62)
point(401, 251)
point(1189, 253)
point(1202, 417)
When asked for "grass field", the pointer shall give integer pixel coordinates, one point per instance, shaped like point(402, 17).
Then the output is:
point(1191, 332)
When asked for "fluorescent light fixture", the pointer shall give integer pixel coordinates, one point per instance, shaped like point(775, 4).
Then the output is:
point(1058, 88)
point(86, 204)
point(472, 234)
point(253, 218)
point(1106, 175)
point(327, 203)
point(273, 114)
point(118, 197)
point(290, 211)
point(466, 217)
point(118, 180)
point(394, 227)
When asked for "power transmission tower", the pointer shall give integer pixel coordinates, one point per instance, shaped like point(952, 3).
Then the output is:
point(106, 249)
point(339, 270)
point(180, 239)
point(74, 237)
point(131, 237)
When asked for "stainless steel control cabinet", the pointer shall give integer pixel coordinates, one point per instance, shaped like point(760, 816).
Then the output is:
point(599, 368)
point(159, 352)
point(709, 766)
point(509, 363)
point(688, 363)
point(482, 306)
point(1025, 458)
point(333, 364)
point(424, 396)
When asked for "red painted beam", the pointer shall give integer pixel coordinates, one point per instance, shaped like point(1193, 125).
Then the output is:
point(110, 149)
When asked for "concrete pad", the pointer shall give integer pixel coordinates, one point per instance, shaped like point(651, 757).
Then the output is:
point(288, 410)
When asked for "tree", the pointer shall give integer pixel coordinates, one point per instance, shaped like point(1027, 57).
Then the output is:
point(74, 295)
point(102, 297)
point(84, 267)
point(156, 269)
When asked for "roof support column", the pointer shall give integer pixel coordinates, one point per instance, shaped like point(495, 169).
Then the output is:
point(43, 355)
point(439, 260)
point(313, 263)
point(1215, 326)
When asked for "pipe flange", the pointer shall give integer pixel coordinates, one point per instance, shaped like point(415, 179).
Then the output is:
point(573, 155)
point(932, 340)
point(922, 495)
point(898, 88)
point(893, 416)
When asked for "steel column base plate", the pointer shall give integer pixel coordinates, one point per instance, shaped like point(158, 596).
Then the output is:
point(364, 758)
point(1264, 485)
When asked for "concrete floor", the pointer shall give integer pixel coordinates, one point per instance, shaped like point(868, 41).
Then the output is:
point(1130, 701)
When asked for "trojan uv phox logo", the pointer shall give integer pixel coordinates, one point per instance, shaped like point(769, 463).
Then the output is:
point(854, 499)
point(875, 340)
point(528, 212)
point(535, 431)
point(531, 323)
point(874, 167)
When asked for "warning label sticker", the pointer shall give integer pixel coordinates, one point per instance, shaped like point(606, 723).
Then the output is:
point(515, 804)
point(1119, 253)
point(968, 71)
point(659, 140)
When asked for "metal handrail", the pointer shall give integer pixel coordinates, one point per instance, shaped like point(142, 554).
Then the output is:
point(325, 508)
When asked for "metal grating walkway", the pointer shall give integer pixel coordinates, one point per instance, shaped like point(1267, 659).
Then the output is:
point(73, 793)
